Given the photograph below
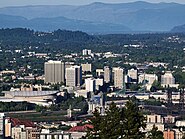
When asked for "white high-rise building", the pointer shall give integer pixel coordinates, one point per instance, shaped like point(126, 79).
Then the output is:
point(133, 75)
point(118, 77)
point(74, 76)
point(86, 52)
point(107, 74)
point(54, 72)
point(99, 82)
point(99, 72)
point(90, 84)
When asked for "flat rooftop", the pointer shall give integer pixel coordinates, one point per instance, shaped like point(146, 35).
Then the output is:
point(29, 93)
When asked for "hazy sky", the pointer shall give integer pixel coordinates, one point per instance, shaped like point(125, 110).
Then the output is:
point(5, 3)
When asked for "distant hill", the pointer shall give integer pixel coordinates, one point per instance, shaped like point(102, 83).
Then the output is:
point(180, 28)
point(51, 24)
point(102, 17)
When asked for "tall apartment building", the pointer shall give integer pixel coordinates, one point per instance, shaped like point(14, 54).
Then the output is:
point(118, 77)
point(107, 74)
point(86, 67)
point(90, 84)
point(54, 72)
point(133, 75)
point(86, 52)
point(167, 79)
point(74, 76)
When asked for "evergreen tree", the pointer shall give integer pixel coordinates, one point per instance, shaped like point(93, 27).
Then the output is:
point(125, 123)
point(155, 133)
point(93, 133)
point(133, 122)
point(110, 125)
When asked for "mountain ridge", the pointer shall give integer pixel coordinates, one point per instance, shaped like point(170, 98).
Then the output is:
point(135, 16)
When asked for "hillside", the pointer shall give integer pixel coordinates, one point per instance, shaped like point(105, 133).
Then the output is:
point(101, 17)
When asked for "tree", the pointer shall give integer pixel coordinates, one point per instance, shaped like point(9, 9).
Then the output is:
point(125, 123)
point(155, 133)
point(93, 133)
point(155, 86)
point(133, 121)
point(110, 125)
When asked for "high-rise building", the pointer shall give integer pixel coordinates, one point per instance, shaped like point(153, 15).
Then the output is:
point(167, 79)
point(107, 74)
point(54, 72)
point(99, 72)
point(133, 75)
point(90, 84)
point(118, 77)
point(74, 76)
point(86, 52)
point(86, 67)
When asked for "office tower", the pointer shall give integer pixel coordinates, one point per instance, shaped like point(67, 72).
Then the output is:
point(90, 84)
point(107, 74)
point(167, 79)
point(74, 76)
point(86, 67)
point(133, 75)
point(86, 52)
point(118, 77)
point(54, 72)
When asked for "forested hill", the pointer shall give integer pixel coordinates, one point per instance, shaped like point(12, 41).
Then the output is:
point(27, 36)
point(164, 47)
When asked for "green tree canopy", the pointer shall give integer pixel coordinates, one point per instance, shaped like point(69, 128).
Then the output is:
point(125, 123)
point(155, 133)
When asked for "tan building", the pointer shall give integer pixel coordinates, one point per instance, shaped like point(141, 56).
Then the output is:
point(149, 78)
point(86, 67)
point(168, 80)
point(54, 72)
point(31, 133)
point(118, 77)
point(107, 74)
point(8, 128)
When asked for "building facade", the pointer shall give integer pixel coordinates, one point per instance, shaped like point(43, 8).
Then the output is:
point(54, 72)
point(74, 76)
point(107, 74)
point(118, 77)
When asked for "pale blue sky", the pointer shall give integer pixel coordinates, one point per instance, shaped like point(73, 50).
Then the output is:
point(5, 3)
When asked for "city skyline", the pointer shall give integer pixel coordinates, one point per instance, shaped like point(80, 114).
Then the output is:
point(8, 3)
